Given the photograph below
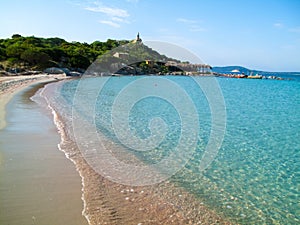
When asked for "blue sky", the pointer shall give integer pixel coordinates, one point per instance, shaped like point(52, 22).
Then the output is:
point(256, 34)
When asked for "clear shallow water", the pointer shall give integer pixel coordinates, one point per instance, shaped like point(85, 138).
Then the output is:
point(255, 176)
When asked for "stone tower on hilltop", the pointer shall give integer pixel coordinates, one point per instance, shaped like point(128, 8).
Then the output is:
point(138, 39)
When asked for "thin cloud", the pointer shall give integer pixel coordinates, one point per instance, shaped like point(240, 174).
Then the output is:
point(295, 30)
point(110, 23)
point(133, 1)
point(120, 20)
point(292, 30)
point(197, 29)
point(112, 16)
point(192, 25)
point(113, 12)
point(187, 21)
point(278, 25)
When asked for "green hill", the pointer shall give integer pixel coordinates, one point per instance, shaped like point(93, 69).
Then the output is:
point(39, 53)
point(20, 53)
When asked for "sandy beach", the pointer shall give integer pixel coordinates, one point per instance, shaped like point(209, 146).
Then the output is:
point(10, 85)
point(38, 184)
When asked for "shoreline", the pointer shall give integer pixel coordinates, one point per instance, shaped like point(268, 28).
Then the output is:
point(63, 137)
point(106, 202)
point(11, 85)
point(38, 184)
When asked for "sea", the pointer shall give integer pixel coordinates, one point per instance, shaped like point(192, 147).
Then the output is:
point(233, 144)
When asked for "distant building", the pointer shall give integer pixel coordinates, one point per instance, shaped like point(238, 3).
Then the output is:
point(121, 55)
point(189, 67)
point(138, 39)
point(149, 63)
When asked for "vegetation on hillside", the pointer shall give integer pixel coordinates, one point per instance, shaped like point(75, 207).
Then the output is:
point(132, 58)
point(39, 53)
point(18, 54)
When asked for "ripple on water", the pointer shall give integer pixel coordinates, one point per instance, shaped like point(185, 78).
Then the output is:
point(255, 175)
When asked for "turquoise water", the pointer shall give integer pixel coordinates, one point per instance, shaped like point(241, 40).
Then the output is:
point(255, 177)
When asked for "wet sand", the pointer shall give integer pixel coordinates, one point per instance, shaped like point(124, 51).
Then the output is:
point(38, 184)
point(9, 86)
point(165, 203)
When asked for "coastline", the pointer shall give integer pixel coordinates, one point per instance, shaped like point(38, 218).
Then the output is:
point(10, 85)
point(106, 202)
point(38, 184)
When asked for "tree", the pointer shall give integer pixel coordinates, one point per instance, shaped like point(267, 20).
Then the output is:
point(32, 42)
point(111, 43)
point(35, 56)
point(56, 54)
point(2, 53)
point(14, 50)
point(79, 61)
point(16, 36)
point(55, 41)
